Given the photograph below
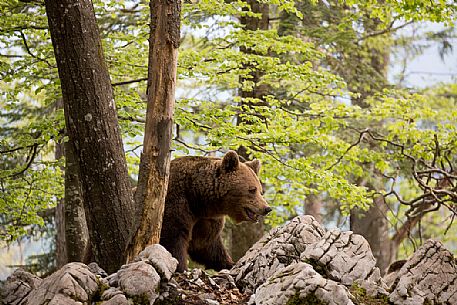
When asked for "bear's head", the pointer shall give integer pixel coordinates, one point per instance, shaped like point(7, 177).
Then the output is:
point(241, 190)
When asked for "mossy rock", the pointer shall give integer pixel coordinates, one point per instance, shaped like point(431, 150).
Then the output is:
point(310, 299)
point(360, 296)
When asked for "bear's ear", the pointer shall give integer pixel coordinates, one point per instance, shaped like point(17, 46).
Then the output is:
point(254, 165)
point(231, 161)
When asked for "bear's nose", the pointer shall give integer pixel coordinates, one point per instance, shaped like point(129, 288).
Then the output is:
point(266, 210)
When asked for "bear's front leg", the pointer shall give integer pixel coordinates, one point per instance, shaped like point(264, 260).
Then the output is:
point(175, 237)
point(206, 245)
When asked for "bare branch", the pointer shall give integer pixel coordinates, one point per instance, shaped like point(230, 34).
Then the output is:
point(389, 29)
point(361, 135)
point(29, 51)
point(127, 82)
point(30, 159)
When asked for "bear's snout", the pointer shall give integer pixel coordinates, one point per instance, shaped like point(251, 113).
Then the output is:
point(266, 210)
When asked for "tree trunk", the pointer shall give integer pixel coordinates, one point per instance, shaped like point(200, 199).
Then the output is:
point(92, 126)
point(373, 225)
point(76, 233)
point(245, 235)
point(72, 237)
point(155, 159)
point(59, 216)
point(313, 205)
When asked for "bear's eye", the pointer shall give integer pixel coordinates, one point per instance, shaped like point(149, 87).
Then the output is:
point(252, 190)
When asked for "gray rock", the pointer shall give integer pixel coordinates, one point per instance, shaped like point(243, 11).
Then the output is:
point(161, 259)
point(119, 299)
point(346, 258)
point(18, 286)
point(392, 272)
point(97, 270)
point(72, 284)
point(110, 293)
point(334, 261)
point(223, 279)
point(139, 280)
point(299, 283)
point(281, 247)
point(113, 280)
point(428, 277)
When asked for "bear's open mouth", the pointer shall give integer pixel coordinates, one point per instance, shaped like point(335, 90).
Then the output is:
point(251, 215)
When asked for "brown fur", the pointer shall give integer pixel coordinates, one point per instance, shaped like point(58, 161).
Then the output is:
point(201, 191)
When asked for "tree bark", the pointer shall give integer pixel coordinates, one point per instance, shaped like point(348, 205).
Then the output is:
point(246, 234)
point(313, 206)
point(76, 232)
point(92, 126)
point(155, 159)
point(59, 216)
point(373, 225)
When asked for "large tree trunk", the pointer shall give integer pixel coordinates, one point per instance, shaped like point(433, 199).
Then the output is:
point(92, 126)
point(155, 159)
point(245, 235)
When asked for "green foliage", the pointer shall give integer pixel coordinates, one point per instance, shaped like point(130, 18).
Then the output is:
point(317, 130)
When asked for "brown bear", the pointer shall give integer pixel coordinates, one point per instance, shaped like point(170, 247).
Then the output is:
point(201, 191)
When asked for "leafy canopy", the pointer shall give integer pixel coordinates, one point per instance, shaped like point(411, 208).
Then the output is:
point(310, 136)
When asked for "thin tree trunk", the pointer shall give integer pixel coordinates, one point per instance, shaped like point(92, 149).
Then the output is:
point(59, 216)
point(155, 159)
point(246, 234)
point(76, 232)
point(72, 237)
point(92, 126)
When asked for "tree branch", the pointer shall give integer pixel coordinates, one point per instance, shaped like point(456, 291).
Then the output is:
point(29, 51)
point(390, 29)
point(129, 81)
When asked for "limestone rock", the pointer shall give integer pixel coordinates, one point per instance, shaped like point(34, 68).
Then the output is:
point(97, 270)
point(160, 259)
point(18, 286)
point(111, 293)
point(306, 262)
point(428, 277)
point(139, 281)
point(72, 284)
point(276, 250)
point(346, 258)
point(118, 299)
point(299, 283)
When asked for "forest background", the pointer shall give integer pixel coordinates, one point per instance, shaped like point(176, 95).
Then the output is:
point(317, 90)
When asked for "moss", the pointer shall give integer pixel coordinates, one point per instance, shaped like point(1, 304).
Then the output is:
point(310, 299)
point(360, 296)
point(140, 299)
point(97, 297)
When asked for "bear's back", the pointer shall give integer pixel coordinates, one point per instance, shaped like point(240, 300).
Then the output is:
point(191, 174)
